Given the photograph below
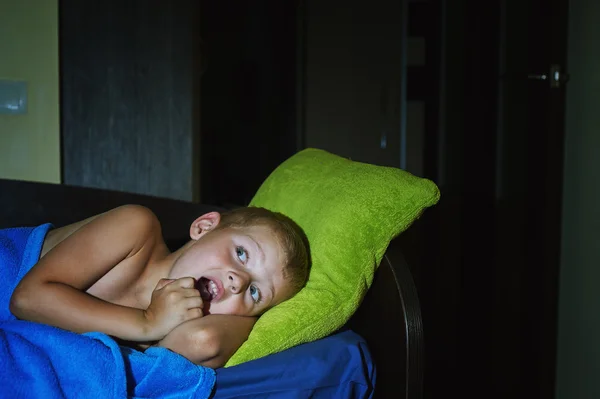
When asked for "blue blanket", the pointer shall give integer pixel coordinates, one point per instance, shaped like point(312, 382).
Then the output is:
point(38, 361)
point(338, 366)
point(19, 250)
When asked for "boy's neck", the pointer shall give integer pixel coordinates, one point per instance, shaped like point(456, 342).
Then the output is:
point(158, 267)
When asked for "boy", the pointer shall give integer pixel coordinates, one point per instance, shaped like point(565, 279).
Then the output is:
point(113, 273)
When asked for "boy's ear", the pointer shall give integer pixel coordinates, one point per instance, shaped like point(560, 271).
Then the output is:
point(204, 224)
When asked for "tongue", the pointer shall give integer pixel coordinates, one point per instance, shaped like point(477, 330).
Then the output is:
point(202, 286)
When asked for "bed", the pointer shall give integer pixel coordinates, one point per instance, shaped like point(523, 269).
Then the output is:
point(389, 318)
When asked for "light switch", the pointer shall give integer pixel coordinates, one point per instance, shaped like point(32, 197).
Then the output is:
point(13, 97)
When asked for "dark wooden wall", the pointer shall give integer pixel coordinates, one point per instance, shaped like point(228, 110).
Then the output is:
point(130, 107)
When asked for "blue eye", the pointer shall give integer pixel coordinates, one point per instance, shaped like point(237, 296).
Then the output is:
point(242, 254)
point(255, 293)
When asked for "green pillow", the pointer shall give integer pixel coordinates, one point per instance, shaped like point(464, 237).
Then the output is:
point(350, 211)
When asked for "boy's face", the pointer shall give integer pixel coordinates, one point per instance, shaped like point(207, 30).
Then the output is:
point(237, 271)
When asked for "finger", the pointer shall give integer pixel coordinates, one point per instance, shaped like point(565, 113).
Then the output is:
point(195, 302)
point(190, 292)
point(163, 282)
point(186, 282)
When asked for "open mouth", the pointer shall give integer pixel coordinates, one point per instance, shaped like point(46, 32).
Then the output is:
point(208, 289)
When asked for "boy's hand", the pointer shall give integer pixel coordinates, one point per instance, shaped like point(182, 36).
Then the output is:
point(173, 302)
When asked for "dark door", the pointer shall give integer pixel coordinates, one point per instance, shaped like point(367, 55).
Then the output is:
point(529, 193)
point(248, 95)
point(489, 289)
point(353, 86)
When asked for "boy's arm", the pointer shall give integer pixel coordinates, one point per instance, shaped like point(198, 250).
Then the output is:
point(211, 340)
point(53, 292)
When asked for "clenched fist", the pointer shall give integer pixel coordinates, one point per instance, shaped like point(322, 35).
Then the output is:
point(173, 302)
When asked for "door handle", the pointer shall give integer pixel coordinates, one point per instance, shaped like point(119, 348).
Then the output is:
point(556, 77)
point(537, 77)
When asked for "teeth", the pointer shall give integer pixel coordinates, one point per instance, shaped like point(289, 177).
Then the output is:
point(212, 287)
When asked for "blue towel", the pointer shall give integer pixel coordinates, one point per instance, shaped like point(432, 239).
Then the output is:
point(19, 250)
point(40, 361)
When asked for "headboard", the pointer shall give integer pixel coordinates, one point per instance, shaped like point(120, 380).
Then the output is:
point(389, 318)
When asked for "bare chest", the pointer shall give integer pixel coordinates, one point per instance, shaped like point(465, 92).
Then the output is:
point(124, 284)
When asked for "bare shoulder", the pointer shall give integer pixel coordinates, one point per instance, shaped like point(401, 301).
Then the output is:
point(138, 218)
point(135, 215)
point(132, 213)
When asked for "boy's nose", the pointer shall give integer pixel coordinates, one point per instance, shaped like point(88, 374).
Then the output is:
point(238, 281)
